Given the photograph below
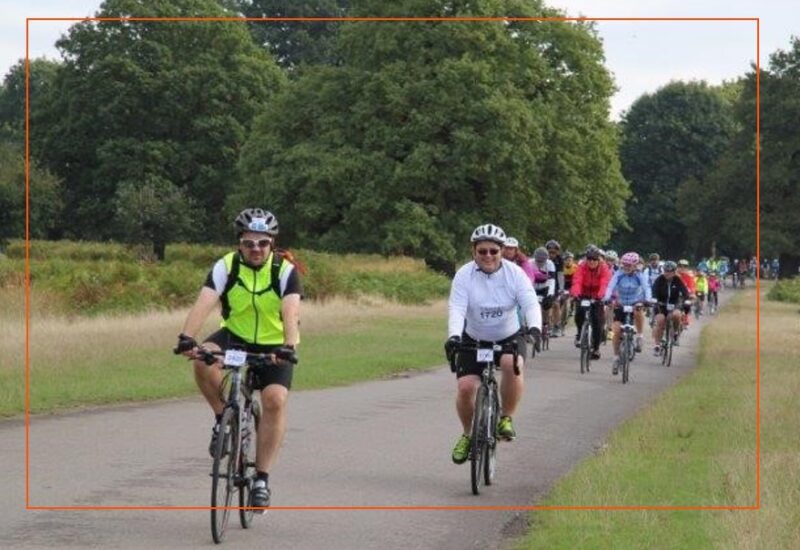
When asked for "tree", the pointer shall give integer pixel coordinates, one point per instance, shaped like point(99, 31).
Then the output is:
point(427, 129)
point(294, 43)
point(670, 137)
point(153, 212)
point(152, 101)
point(12, 96)
point(45, 202)
point(731, 194)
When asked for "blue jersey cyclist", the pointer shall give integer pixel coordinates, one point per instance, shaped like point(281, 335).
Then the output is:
point(484, 298)
point(631, 288)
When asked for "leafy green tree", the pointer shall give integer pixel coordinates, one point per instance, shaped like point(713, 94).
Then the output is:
point(12, 96)
point(730, 200)
point(153, 212)
point(672, 136)
point(427, 129)
point(294, 43)
point(152, 101)
point(45, 201)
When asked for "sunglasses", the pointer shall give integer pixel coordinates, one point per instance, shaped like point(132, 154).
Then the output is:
point(251, 244)
point(485, 251)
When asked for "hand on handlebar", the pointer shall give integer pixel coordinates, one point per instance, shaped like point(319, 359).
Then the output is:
point(186, 346)
point(286, 353)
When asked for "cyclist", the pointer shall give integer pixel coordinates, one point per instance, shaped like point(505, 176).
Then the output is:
point(713, 288)
point(554, 252)
point(483, 302)
point(668, 289)
point(631, 288)
point(566, 300)
point(654, 268)
point(701, 286)
point(259, 291)
point(544, 282)
point(589, 282)
point(688, 280)
point(512, 253)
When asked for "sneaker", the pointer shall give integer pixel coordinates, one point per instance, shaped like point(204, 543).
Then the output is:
point(657, 351)
point(595, 355)
point(505, 429)
point(577, 340)
point(212, 446)
point(461, 450)
point(260, 495)
point(638, 345)
point(615, 368)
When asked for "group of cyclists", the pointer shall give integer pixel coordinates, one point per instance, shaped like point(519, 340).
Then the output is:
point(493, 299)
point(501, 296)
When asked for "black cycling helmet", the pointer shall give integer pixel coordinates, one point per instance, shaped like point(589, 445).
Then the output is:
point(256, 220)
point(552, 244)
point(592, 252)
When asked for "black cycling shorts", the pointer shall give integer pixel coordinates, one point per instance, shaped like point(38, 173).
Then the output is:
point(662, 309)
point(619, 315)
point(261, 377)
point(466, 362)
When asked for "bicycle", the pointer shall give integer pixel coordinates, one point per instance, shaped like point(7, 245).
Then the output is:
point(668, 340)
point(567, 311)
point(483, 443)
point(585, 337)
point(698, 305)
point(234, 467)
point(545, 326)
point(627, 350)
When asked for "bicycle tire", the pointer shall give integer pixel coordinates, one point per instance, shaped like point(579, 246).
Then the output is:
point(246, 468)
point(223, 473)
point(667, 341)
point(585, 347)
point(625, 358)
point(490, 460)
point(546, 337)
point(477, 445)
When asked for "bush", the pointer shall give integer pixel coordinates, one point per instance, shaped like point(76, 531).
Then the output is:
point(90, 278)
point(786, 290)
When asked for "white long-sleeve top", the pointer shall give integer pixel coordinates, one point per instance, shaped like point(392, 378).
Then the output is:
point(488, 302)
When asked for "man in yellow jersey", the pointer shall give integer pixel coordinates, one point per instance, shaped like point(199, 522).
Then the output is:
point(259, 291)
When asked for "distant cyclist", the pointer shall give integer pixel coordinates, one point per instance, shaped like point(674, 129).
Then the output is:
point(688, 279)
point(631, 288)
point(654, 268)
point(669, 292)
point(512, 253)
point(554, 251)
point(484, 298)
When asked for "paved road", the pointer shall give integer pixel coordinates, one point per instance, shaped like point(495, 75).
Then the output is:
point(377, 443)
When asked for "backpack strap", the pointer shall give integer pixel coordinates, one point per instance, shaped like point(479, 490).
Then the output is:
point(275, 273)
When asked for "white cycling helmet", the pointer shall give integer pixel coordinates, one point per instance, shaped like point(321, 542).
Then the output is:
point(489, 232)
point(511, 242)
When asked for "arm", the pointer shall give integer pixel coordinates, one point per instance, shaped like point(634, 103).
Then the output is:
point(577, 283)
point(290, 312)
point(529, 303)
point(206, 301)
point(605, 277)
point(457, 305)
point(611, 286)
point(645, 282)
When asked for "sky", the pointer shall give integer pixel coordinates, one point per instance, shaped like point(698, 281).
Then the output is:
point(642, 55)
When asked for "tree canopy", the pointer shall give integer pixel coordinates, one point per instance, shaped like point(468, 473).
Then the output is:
point(427, 129)
point(139, 102)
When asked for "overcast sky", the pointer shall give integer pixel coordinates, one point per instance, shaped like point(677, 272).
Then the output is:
point(642, 55)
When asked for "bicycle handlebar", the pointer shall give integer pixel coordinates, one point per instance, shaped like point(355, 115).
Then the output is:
point(254, 359)
point(512, 347)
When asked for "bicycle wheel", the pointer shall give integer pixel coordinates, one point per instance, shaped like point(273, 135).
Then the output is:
point(490, 460)
point(478, 444)
point(586, 341)
point(246, 469)
point(667, 341)
point(223, 473)
point(624, 357)
point(545, 336)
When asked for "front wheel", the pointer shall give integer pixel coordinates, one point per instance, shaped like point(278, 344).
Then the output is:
point(480, 425)
point(586, 346)
point(625, 358)
point(246, 468)
point(223, 473)
point(490, 460)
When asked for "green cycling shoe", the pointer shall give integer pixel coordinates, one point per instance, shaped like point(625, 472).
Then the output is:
point(461, 450)
point(505, 429)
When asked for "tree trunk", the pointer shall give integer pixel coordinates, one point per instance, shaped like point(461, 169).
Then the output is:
point(789, 265)
point(159, 250)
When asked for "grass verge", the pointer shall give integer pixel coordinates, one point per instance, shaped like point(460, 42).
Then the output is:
point(695, 446)
point(103, 360)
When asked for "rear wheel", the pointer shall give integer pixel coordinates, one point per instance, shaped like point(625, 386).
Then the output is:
point(223, 473)
point(586, 346)
point(478, 444)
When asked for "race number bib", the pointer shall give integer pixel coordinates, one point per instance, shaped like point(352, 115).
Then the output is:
point(485, 355)
point(586, 303)
point(491, 313)
point(670, 307)
point(627, 309)
point(235, 357)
